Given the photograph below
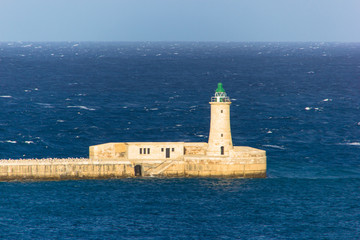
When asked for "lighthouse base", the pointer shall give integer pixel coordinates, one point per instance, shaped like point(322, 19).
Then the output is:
point(179, 159)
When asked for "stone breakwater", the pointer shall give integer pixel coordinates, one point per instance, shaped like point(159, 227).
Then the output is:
point(48, 169)
point(60, 169)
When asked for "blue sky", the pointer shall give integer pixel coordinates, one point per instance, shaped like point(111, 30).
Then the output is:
point(180, 20)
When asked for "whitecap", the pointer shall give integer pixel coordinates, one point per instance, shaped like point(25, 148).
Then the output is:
point(29, 142)
point(269, 131)
point(308, 108)
point(82, 107)
point(6, 96)
point(311, 72)
point(327, 100)
point(274, 146)
point(154, 109)
point(60, 121)
point(45, 105)
point(351, 144)
point(10, 141)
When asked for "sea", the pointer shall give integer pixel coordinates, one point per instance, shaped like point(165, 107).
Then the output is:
point(298, 101)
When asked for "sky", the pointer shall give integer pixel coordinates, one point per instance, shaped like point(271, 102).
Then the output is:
point(180, 20)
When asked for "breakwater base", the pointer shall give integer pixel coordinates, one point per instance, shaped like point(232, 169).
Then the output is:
point(252, 164)
point(58, 169)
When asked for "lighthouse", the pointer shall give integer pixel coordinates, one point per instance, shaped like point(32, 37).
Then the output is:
point(220, 141)
point(216, 158)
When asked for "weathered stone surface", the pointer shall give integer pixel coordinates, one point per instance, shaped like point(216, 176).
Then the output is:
point(249, 163)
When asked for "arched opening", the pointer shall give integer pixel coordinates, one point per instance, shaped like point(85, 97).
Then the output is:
point(222, 150)
point(138, 172)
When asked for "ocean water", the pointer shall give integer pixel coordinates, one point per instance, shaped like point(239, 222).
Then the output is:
point(298, 101)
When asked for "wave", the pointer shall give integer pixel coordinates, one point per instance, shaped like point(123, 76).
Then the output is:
point(274, 146)
point(6, 96)
point(351, 144)
point(45, 105)
point(8, 141)
point(82, 107)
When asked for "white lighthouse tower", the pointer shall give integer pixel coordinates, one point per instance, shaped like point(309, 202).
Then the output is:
point(220, 141)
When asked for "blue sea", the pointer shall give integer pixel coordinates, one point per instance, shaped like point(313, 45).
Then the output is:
point(298, 101)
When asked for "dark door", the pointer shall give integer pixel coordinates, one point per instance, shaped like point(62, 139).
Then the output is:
point(222, 150)
point(167, 152)
point(138, 171)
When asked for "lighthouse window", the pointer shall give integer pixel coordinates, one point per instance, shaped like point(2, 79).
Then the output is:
point(172, 149)
point(221, 111)
point(162, 149)
point(222, 135)
point(140, 150)
point(148, 150)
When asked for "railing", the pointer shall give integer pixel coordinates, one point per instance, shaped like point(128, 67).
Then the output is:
point(159, 168)
point(220, 99)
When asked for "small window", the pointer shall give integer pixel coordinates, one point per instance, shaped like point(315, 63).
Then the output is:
point(140, 150)
point(162, 149)
point(173, 149)
point(221, 111)
point(222, 135)
point(144, 150)
point(148, 150)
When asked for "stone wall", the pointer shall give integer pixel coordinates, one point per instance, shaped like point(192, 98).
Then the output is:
point(194, 148)
point(108, 151)
point(61, 169)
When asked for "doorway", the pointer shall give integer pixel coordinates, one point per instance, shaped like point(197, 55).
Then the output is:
point(138, 172)
point(167, 153)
